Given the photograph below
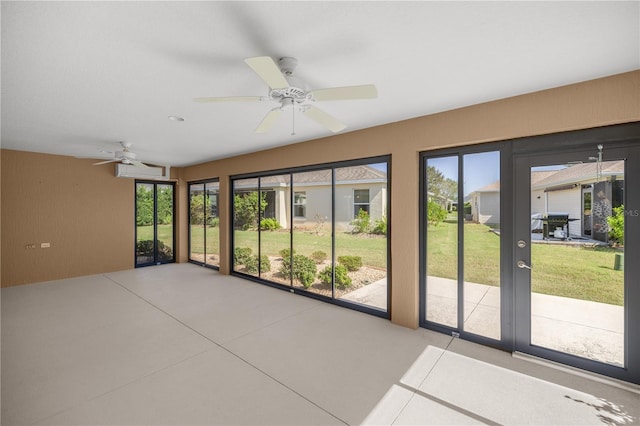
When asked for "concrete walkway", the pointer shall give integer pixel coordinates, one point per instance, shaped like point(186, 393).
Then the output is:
point(588, 329)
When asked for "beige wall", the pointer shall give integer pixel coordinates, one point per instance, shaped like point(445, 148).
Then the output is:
point(606, 101)
point(87, 215)
point(83, 211)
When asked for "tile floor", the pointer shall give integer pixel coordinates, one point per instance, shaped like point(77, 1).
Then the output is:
point(181, 344)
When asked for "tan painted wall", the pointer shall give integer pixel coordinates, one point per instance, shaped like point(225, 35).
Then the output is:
point(606, 101)
point(83, 211)
point(87, 215)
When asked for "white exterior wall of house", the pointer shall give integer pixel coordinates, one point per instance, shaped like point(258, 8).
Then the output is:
point(344, 202)
point(318, 203)
point(282, 212)
point(567, 201)
point(485, 207)
point(538, 203)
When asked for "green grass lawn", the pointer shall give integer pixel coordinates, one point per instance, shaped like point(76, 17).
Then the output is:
point(165, 234)
point(372, 249)
point(581, 273)
point(570, 271)
point(197, 239)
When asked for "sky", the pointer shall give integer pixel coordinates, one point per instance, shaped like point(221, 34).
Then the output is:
point(480, 169)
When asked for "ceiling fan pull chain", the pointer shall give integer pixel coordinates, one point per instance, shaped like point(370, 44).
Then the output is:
point(293, 121)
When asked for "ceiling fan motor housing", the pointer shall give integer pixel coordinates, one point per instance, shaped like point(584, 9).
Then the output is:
point(288, 65)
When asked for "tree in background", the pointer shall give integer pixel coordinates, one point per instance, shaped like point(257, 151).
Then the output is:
point(144, 206)
point(165, 205)
point(441, 188)
point(247, 209)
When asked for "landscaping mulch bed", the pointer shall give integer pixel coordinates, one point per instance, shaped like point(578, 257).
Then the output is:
point(360, 278)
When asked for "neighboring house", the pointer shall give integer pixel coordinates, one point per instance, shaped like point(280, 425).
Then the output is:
point(446, 203)
point(585, 193)
point(357, 188)
point(485, 204)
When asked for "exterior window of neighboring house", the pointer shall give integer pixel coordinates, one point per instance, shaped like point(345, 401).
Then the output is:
point(300, 204)
point(360, 201)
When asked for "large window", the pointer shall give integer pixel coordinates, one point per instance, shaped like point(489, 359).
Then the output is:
point(204, 240)
point(297, 229)
point(155, 233)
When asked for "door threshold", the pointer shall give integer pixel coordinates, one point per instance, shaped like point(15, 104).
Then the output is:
point(620, 384)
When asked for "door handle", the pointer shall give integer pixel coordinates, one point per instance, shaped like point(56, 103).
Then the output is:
point(523, 265)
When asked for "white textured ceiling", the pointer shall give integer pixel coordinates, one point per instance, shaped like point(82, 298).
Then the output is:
point(79, 76)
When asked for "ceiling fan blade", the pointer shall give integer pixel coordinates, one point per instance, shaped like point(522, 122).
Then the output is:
point(232, 99)
point(105, 162)
point(267, 69)
point(324, 119)
point(138, 164)
point(269, 120)
point(367, 91)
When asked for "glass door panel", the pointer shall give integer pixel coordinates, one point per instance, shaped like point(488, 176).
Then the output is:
point(361, 235)
point(481, 236)
point(441, 187)
point(576, 290)
point(145, 224)
point(248, 208)
point(196, 222)
point(275, 228)
point(211, 224)
point(312, 243)
point(164, 223)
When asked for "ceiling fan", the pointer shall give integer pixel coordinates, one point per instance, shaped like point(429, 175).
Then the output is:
point(123, 156)
point(291, 93)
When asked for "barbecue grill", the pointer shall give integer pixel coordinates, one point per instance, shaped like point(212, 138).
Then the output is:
point(553, 221)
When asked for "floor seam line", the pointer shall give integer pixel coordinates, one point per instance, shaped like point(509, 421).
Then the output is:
point(416, 389)
point(122, 386)
point(230, 352)
point(269, 325)
point(477, 304)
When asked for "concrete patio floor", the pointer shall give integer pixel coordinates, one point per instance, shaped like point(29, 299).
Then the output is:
point(588, 329)
point(182, 344)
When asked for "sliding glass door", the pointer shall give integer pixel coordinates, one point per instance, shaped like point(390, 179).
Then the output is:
point(155, 230)
point(204, 240)
point(462, 236)
point(321, 231)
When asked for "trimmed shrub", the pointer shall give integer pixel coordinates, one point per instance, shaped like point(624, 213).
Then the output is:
point(269, 224)
point(285, 253)
point(319, 256)
point(304, 269)
point(251, 264)
point(342, 279)
point(241, 255)
point(352, 263)
point(380, 226)
point(213, 221)
point(145, 248)
point(361, 223)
